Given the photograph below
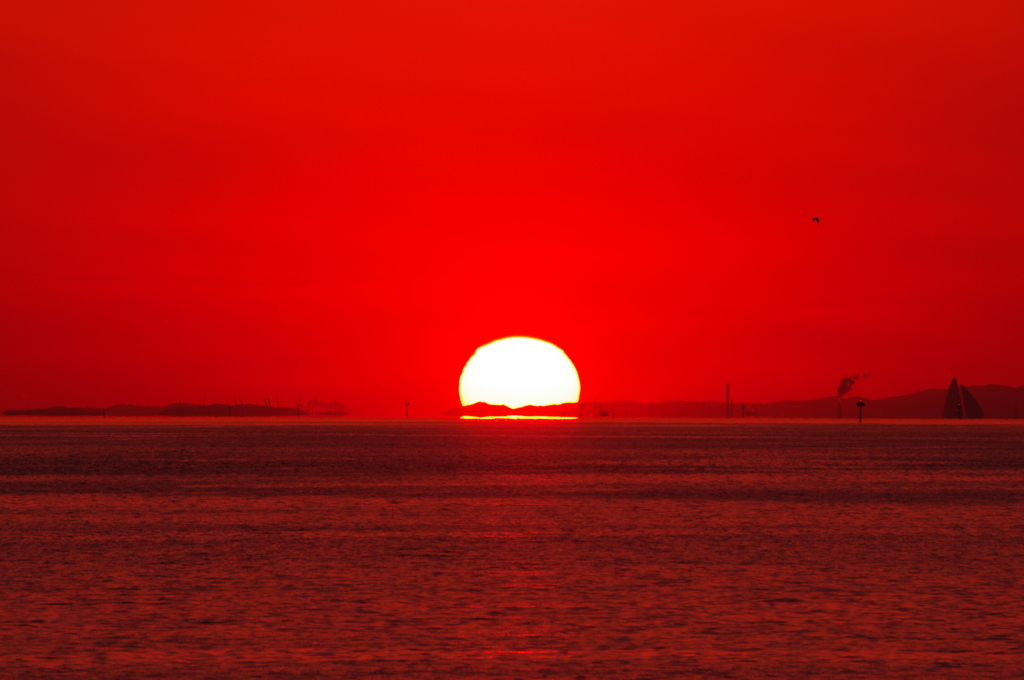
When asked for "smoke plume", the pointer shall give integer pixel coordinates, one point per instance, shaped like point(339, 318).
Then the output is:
point(847, 383)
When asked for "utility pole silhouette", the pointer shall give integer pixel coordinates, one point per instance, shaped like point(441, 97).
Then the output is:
point(652, 407)
point(406, 409)
point(298, 408)
point(728, 405)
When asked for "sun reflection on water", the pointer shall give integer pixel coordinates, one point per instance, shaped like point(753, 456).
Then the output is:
point(518, 418)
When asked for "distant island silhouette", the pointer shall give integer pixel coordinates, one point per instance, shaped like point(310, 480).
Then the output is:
point(184, 409)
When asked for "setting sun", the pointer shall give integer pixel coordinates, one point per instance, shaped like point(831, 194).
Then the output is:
point(517, 372)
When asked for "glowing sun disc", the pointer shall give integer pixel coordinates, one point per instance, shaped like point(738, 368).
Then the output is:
point(519, 371)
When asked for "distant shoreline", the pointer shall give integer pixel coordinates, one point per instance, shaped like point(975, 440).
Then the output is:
point(999, 402)
point(178, 410)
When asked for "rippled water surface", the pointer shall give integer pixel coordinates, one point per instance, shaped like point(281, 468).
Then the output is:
point(227, 549)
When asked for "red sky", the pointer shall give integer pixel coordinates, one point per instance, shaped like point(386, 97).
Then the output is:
point(343, 200)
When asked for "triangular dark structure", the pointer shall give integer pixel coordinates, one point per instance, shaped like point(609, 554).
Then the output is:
point(953, 408)
point(972, 409)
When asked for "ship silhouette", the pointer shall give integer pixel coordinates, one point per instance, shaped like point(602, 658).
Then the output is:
point(961, 404)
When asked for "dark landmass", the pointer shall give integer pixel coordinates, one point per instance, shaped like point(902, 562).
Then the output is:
point(179, 409)
point(997, 401)
point(247, 410)
point(485, 410)
point(57, 411)
point(133, 410)
point(328, 408)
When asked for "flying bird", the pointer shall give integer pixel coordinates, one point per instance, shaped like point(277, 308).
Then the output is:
point(815, 219)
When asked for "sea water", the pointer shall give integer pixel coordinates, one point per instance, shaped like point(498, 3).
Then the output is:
point(222, 548)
